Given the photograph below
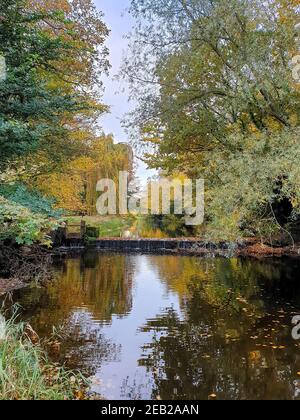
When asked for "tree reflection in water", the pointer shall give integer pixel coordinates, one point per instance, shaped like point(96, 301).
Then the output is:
point(174, 327)
point(235, 338)
point(88, 292)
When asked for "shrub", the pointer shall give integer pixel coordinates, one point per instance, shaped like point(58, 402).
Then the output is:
point(19, 224)
point(19, 194)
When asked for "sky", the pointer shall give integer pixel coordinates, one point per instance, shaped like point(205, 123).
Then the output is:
point(116, 93)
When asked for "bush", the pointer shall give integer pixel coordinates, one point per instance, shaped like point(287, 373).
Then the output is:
point(93, 232)
point(35, 202)
point(19, 224)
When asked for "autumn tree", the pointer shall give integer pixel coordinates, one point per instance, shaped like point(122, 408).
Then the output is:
point(51, 99)
point(214, 85)
point(72, 183)
point(74, 187)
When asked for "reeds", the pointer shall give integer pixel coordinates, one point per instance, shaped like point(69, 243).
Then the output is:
point(25, 371)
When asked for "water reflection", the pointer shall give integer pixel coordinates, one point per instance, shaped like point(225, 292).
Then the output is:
point(174, 327)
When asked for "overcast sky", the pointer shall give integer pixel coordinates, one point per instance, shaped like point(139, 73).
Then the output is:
point(120, 23)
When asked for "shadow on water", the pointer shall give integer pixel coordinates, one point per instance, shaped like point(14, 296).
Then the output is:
point(173, 327)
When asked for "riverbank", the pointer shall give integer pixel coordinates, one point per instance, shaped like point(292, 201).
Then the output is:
point(256, 249)
point(188, 246)
point(25, 371)
point(21, 265)
point(40, 270)
point(9, 285)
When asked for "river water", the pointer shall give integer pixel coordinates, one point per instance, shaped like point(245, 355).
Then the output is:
point(170, 327)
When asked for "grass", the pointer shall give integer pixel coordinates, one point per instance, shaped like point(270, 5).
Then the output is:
point(25, 372)
point(110, 226)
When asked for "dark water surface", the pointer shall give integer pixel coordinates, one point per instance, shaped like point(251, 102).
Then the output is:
point(169, 327)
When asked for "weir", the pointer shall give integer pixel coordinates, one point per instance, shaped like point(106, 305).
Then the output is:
point(67, 240)
point(180, 246)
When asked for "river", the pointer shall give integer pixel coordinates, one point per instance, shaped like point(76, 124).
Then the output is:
point(172, 327)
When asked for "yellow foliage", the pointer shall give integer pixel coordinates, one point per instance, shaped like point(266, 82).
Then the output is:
point(74, 187)
point(65, 189)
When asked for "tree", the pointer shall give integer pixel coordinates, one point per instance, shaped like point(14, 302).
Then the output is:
point(47, 102)
point(50, 103)
point(220, 71)
point(74, 186)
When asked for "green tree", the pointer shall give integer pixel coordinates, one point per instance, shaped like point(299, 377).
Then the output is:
point(39, 100)
point(220, 83)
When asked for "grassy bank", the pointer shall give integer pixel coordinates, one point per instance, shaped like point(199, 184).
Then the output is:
point(109, 226)
point(25, 372)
